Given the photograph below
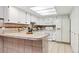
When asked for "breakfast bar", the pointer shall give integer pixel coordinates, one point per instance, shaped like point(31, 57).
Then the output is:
point(23, 43)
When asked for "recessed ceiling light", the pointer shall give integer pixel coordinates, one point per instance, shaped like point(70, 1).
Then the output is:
point(44, 10)
point(48, 13)
point(38, 8)
point(47, 10)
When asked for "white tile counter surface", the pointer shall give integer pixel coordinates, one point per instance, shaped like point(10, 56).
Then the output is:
point(23, 35)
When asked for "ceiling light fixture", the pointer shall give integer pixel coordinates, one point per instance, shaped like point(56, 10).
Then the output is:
point(45, 11)
point(48, 13)
point(40, 8)
point(49, 10)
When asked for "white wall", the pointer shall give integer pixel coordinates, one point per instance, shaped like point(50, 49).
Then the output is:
point(75, 29)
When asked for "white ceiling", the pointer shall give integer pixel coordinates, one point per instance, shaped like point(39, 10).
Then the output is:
point(61, 10)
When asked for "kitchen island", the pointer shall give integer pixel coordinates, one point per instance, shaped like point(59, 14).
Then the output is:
point(23, 43)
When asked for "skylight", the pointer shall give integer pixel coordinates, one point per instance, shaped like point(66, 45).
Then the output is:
point(44, 10)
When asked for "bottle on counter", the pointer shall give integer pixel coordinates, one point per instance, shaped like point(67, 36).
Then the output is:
point(29, 31)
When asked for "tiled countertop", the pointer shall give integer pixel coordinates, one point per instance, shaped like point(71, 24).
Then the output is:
point(23, 35)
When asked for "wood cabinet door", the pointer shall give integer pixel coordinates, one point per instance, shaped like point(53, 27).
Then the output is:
point(37, 46)
point(28, 46)
point(19, 45)
point(12, 45)
point(1, 45)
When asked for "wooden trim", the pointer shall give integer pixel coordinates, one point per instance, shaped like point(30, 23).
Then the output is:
point(14, 25)
point(17, 25)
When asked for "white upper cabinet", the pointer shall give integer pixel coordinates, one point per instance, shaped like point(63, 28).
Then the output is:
point(16, 15)
point(1, 11)
point(4, 12)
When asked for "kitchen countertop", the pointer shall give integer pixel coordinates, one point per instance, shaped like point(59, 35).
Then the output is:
point(23, 35)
